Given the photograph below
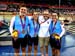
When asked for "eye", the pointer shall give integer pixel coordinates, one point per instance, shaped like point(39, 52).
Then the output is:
point(23, 9)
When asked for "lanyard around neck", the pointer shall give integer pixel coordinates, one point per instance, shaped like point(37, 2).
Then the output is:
point(35, 27)
point(23, 24)
point(53, 27)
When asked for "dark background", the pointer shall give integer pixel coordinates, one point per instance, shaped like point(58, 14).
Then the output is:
point(50, 2)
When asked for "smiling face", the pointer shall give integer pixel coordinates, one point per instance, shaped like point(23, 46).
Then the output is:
point(54, 17)
point(35, 15)
point(23, 11)
point(46, 14)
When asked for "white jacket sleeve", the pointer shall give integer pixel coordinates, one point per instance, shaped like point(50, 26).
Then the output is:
point(41, 19)
point(11, 24)
point(63, 30)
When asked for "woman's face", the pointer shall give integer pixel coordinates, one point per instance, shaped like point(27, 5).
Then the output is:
point(35, 16)
point(23, 11)
point(54, 18)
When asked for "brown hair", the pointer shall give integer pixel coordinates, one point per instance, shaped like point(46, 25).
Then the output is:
point(22, 5)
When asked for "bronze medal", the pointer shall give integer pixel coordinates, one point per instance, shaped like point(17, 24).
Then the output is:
point(23, 31)
point(23, 25)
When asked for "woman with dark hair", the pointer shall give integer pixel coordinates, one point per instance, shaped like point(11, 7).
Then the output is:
point(33, 39)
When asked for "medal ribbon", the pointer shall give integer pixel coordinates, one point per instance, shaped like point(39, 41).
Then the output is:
point(53, 27)
point(23, 24)
point(35, 28)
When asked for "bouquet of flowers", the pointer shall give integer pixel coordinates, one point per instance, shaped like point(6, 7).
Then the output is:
point(15, 34)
